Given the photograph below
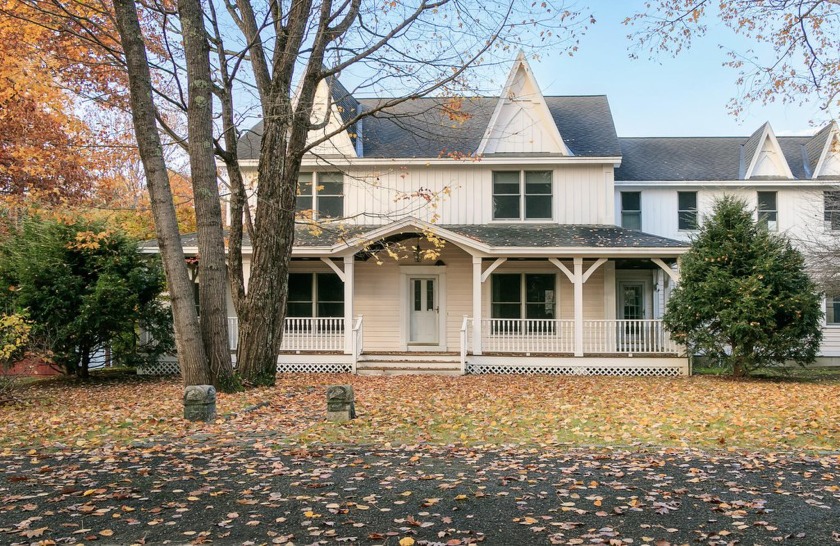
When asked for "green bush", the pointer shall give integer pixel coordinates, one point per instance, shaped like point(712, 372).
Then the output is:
point(85, 287)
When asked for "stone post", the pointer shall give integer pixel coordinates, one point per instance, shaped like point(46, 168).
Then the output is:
point(341, 404)
point(200, 403)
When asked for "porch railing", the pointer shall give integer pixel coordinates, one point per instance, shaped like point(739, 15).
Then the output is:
point(358, 340)
point(614, 336)
point(303, 334)
point(527, 335)
point(627, 336)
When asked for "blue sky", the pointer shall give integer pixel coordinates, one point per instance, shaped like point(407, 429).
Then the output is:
point(682, 96)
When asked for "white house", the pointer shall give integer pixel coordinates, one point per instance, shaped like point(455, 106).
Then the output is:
point(516, 233)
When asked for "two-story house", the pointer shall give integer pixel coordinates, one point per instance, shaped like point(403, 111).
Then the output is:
point(479, 234)
point(511, 234)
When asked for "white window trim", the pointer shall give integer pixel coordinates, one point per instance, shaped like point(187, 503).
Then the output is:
point(622, 210)
point(521, 218)
point(696, 211)
point(758, 210)
point(314, 295)
point(316, 182)
point(523, 293)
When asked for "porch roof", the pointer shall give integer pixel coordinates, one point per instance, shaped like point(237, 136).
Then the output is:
point(477, 239)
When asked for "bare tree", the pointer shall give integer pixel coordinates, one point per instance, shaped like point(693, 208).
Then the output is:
point(799, 54)
point(409, 50)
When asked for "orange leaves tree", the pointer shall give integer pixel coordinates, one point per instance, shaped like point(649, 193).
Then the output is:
point(43, 144)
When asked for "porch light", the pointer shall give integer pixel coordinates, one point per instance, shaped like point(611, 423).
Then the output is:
point(418, 252)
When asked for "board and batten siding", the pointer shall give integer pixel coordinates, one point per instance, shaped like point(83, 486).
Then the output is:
point(463, 193)
point(800, 210)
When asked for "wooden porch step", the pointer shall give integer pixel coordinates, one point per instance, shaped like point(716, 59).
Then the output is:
point(385, 370)
point(410, 358)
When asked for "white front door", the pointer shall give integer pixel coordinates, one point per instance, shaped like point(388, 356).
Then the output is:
point(423, 311)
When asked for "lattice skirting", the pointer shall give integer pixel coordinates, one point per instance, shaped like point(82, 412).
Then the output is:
point(316, 367)
point(162, 367)
point(171, 367)
point(625, 371)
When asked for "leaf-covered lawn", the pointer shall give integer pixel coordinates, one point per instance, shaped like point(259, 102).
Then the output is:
point(698, 412)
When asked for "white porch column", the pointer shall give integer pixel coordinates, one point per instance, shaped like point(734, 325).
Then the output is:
point(578, 282)
point(476, 279)
point(349, 282)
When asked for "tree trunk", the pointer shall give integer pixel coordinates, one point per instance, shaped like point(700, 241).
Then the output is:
point(261, 321)
point(212, 271)
point(191, 355)
point(84, 365)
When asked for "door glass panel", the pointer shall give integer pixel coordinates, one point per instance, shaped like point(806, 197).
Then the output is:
point(430, 294)
point(418, 295)
point(633, 303)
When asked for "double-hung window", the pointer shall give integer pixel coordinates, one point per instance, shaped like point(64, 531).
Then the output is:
point(320, 195)
point(687, 210)
point(522, 195)
point(768, 213)
point(631, 210)
point(831, 204)
point(315, 295)
point(832, 310)
point(523, 295)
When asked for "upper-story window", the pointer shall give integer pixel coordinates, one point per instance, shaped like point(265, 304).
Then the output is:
point(687, 210)
point(320, 195)
point(768, 212)
point(522, 195)
point(631, 210)
point(831, 204)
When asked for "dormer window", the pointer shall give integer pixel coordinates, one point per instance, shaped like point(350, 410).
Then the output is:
point(522, 195)
point(320, 195)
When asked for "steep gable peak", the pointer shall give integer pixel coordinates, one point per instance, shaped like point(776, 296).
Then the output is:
point(762, 157)
point(521, 122)
point(824, 152)
point(333, 106)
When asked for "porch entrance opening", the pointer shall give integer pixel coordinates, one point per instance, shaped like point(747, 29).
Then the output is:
point(632, 310)
point(424, 311)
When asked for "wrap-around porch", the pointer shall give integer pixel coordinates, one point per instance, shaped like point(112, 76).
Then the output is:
point(529, 310)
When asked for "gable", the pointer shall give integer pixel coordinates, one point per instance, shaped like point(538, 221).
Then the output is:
point(327, 108)
point(763, 157)
point(521, 122)
point(827, 157)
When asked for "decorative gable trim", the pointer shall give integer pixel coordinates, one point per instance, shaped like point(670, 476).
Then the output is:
point(326, 109)
point(828, 163)
point(763, 157)
point(521, 121)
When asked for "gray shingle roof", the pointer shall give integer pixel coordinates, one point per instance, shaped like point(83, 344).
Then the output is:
point(696, 158)
point(425, 128)
point(562, 235)
point(815, 146)
point(497, 236)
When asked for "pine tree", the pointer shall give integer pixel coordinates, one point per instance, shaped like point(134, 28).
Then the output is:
point(744, 300)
